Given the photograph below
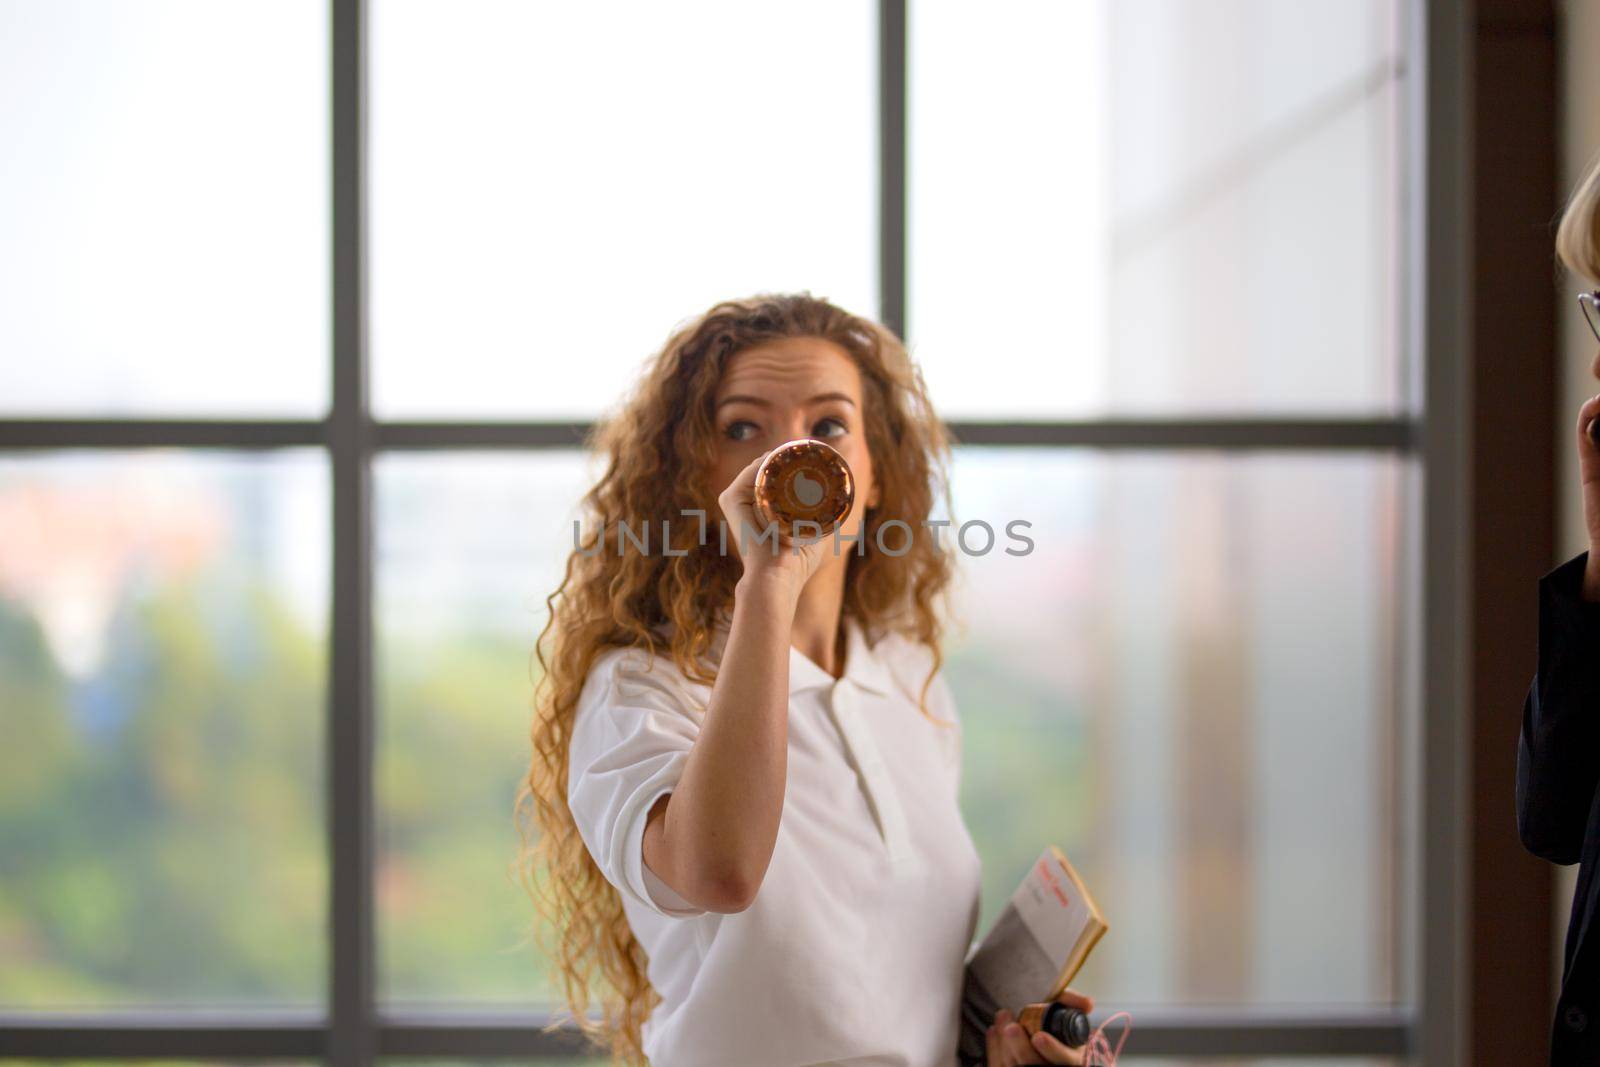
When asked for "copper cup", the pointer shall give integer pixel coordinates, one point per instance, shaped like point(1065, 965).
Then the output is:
point(804, 480)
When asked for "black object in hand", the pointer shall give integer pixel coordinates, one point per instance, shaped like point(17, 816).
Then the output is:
point(1594, 430)
point(1066, 1024)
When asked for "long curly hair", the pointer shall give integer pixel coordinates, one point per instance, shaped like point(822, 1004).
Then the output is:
point(659, 446)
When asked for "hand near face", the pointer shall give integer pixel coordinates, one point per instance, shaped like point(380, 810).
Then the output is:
point(793, 562)
point(1589, 467)
point(1589, 472)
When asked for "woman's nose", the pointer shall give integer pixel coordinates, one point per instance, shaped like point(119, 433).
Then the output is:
point(793, 426)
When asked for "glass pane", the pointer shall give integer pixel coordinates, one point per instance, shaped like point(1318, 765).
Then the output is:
point(164, 233)
point(1189, 684)
point(468, 548)
point(549, 1061)
point(1194, 664)
point(155, 1063)
point(163, 629)
point(1168, 206)
point(556, 186)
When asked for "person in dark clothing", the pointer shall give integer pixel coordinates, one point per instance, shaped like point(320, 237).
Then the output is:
point(1558, 753)
point(1558, 804)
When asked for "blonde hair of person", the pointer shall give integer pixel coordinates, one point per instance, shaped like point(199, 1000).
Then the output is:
point(1578, 239)
point(659, 448)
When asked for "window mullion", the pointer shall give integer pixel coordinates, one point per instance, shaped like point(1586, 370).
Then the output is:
point(352, 1036)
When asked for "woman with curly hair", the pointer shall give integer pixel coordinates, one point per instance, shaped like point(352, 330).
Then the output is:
point(742, 797)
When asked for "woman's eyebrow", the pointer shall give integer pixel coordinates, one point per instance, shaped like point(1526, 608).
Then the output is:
point(820, 397)
point(745, 398)
point(742, 398)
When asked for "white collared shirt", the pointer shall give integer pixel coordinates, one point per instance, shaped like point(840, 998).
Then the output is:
point(852, 950)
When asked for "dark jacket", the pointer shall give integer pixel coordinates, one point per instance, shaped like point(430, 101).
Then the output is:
point(1558, 804)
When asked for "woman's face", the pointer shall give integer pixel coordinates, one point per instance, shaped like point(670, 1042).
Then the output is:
point(796, 387)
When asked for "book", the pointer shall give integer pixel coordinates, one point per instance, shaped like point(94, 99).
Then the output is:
point(1032, 951)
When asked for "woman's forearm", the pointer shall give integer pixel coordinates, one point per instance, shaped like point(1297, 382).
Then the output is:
point(721, 822)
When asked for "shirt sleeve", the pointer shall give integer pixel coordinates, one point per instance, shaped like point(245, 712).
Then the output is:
point(633, 729)
point(1558, 750)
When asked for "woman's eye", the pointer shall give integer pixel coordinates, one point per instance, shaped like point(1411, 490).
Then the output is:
point(740, 430)
point(819, 430)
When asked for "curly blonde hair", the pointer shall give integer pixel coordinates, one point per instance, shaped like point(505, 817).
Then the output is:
point(660, 446)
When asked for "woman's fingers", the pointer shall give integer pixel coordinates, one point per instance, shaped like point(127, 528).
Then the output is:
point(991, 1047)
point(1053, 1051)
point(1589, 470)
point(1074, 999)
point(739, 495)
point(1003, 1047)
point(1586, 414)
point(737, 502)
point(1007, 1044)
point(1015, 1048)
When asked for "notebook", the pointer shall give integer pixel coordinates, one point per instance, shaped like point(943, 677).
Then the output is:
point(1032, 952)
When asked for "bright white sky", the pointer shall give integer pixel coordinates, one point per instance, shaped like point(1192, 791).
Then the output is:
point(554, 187)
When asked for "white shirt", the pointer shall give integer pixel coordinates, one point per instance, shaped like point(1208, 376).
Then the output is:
point(852, 951)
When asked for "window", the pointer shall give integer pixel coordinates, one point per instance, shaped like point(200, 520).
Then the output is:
point(164, 619)
point(586, 176)
point(269, 661)
point(1078, 172)
point(166, 216)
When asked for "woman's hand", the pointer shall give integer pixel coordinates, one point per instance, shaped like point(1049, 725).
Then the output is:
point(1008, 1045)
point(1589, 471)
point(792, 563)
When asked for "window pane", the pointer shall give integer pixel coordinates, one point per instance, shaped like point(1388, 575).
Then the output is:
point(1189, 684)
point(556, 186)
point(164, 228)
point(549, 1061)
point(1155, 206)
point(163, 629)
point(1193, 672)
point(468, 548)
point(154, 1063)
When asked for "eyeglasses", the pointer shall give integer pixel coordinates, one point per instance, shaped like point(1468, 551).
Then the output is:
point(1590, 303)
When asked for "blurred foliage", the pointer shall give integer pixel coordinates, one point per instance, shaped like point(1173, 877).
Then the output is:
point(569, 1062)
point(163, 819)
point(1026, 777)
point(455, 925)
point(151, 1063)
